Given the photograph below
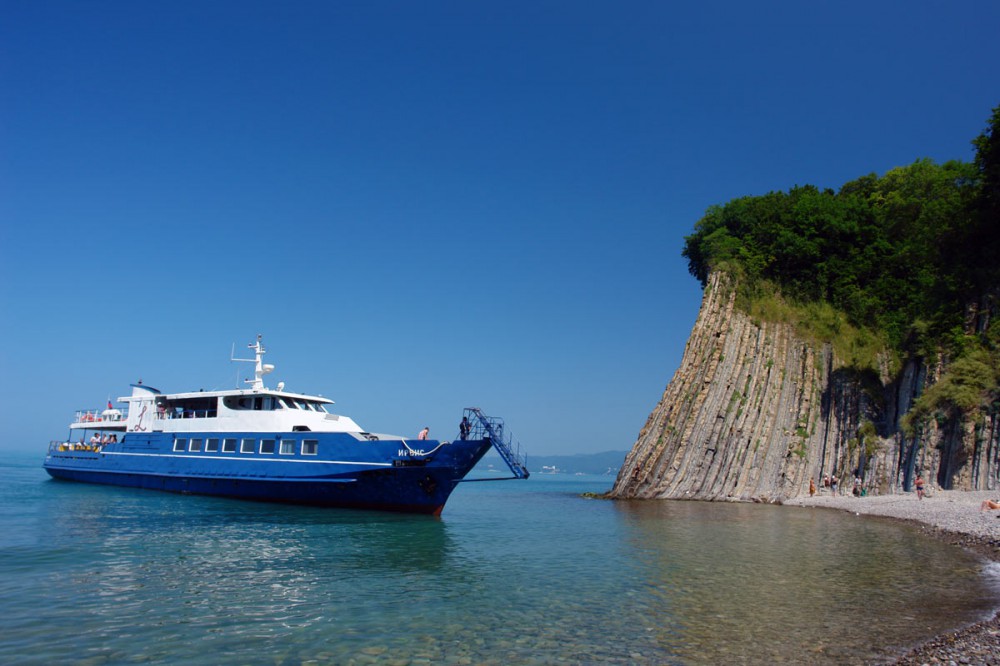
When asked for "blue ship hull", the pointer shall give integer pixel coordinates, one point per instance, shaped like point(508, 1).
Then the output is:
point(344, 472)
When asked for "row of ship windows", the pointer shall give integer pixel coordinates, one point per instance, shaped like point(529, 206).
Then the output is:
point(284, 447)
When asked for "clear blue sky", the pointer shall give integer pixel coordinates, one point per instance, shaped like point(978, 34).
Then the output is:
point(425, 205)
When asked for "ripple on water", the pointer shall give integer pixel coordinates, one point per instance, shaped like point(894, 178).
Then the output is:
point(513, 573)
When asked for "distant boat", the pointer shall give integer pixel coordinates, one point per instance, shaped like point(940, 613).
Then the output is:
point(550, 469)
point(271, 445)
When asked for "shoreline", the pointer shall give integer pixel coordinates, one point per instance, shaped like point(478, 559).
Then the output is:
point(952, 516)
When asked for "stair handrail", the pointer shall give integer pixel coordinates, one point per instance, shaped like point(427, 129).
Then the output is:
point(492, 427)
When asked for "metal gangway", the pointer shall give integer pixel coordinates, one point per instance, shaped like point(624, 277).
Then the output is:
point(492, 428)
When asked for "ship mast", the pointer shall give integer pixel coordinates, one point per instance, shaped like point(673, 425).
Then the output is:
point(260, 368)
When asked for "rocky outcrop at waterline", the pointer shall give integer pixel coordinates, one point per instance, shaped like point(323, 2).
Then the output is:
point(754, 411)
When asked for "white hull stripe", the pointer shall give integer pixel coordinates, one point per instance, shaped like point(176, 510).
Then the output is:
point(234, 457)
point(202, 476)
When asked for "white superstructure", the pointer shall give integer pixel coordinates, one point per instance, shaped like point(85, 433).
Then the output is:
point(257, 409)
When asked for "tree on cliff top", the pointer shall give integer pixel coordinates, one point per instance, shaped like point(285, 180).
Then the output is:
point(901, 253)
point(986, 235)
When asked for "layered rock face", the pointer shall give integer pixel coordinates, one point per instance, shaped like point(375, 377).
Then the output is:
point(753, 412)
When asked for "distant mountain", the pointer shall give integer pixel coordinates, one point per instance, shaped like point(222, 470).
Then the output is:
point(607, 462)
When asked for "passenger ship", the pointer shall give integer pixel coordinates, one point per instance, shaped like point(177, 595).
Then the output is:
point(271, 445)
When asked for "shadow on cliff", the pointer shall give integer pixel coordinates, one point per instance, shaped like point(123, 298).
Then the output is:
point(863, 404)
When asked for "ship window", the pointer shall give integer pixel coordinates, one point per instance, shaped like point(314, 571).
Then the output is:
point(229, 446)
point(257, 403)
point(309, 447)
point(243, 403)
point(287, 447)
point(211, 445)
point(267, 446)
point(190, 408)
point(180, 444)
point(248, 445)
point(195, 445)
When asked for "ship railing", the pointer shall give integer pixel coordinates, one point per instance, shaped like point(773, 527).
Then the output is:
point(96, 416)
point(57, 445)
point(492, 428)
point(188, 414)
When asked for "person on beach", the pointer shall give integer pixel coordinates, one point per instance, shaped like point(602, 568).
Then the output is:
point(989, 504)
point(812, 487)
point(833, 485)
point(919, 484)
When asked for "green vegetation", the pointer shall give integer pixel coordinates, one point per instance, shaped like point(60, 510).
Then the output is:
point(972, 381)
point(896, 263)
point(868, 437)
point(815, 320)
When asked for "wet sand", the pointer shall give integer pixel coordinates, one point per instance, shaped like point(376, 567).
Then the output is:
point(953, 516)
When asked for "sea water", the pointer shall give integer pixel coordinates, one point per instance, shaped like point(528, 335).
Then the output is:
point(525, 572)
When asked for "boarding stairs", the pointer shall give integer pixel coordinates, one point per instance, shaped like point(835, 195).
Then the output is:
point(492, 427)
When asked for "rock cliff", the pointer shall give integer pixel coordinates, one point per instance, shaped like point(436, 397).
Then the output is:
point(754, 411)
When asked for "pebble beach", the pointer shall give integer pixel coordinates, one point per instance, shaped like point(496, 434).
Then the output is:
point(953, 516)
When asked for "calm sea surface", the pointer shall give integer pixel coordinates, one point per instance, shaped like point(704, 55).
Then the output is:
point(523, 572)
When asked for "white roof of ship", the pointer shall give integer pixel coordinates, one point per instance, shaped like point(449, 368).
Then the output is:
point(248, 392)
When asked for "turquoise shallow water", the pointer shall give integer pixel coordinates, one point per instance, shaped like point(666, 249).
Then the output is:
point(521, 572)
